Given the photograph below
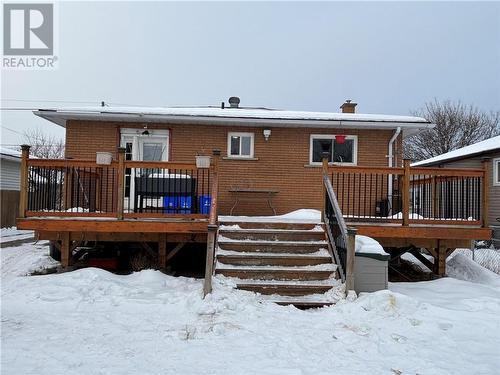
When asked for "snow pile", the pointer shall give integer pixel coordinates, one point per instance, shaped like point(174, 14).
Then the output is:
point(151, 323)
point(489, 258)
point(463, 268)
point(299, 216)
point(25, 259)
point(368, 245)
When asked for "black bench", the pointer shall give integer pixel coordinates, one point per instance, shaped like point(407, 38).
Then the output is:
point(159, 187)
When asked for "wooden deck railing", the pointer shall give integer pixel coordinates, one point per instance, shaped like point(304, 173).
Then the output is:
point(121, 189)
point(411, 195)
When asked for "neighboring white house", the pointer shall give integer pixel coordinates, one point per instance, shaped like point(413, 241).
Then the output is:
point(472, 157)
point(10, 175)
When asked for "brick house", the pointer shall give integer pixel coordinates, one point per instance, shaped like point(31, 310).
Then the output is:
point(130, 176)
point(289, 157)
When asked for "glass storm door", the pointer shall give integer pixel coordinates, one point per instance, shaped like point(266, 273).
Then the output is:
point(141, 147)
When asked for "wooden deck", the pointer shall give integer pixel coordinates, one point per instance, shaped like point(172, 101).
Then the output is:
point(72, 201)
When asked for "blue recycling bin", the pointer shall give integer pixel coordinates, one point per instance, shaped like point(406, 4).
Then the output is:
point(177, 204)
point(205, 201)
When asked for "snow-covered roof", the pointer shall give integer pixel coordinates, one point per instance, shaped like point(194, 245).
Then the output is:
point(233, 117)
point(464, 152)
point(10, 154)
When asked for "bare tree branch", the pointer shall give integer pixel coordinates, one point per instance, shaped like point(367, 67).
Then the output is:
point(44, 145)
point(457, 125)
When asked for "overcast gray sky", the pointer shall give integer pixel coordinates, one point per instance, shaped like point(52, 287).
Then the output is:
point(389, 57)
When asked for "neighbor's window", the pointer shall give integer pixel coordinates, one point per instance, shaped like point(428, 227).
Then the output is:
point(338, 152)
point(496, 172)
point(240, 145)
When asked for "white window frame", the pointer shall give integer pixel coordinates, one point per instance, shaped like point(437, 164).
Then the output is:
point(239, 134)
point(332, 136)
point(496, 177)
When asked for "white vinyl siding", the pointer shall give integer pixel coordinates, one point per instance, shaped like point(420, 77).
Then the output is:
point(10, 176)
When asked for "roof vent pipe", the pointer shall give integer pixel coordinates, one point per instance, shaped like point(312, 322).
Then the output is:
point(234, 102)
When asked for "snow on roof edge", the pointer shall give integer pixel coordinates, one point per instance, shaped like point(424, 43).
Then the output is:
point(477, 148)
point(4, 151)
point(227, 113)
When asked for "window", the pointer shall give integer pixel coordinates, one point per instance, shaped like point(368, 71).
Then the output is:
point(496, 172)
point(240, 145)
point(345, 152)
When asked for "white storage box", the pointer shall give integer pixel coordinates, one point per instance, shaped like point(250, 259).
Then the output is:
point(202, 161)
point(104, 158)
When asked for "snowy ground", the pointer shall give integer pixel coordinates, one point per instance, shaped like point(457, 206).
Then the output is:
point(14, 234)
point(93, 322)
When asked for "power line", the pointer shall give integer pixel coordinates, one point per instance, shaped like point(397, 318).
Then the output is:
point(48, 101)
point(12, 130)
point(18, 109)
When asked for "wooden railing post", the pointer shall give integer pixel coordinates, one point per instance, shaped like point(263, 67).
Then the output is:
point(485, 187)
point(212, 226)
point(324, 164)
point(120, 183)
point(406, 191)
point(23, 193)
point(350, 258)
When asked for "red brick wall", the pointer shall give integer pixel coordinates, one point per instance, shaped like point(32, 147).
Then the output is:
point(282, 161)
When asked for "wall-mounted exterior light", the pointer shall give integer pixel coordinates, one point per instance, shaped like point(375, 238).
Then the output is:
point(267, 134)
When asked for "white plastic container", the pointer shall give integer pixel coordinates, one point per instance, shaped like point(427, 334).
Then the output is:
point(104, 158)
point(202, 161)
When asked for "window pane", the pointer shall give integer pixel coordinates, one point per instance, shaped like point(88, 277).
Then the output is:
point(320, 146)
point(245, 146)
point(128, 151)
point(152, 151)
point(344, 152)
point(498, 172)
point(235, 145)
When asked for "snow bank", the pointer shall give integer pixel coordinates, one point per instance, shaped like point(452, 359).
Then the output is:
point(368, 245)
point(24, 259)
point(463, 268)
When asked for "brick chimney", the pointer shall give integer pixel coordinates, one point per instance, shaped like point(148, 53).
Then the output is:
point(348, 107)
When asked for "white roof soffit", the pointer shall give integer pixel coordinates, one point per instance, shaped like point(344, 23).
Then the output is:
point(409, 124)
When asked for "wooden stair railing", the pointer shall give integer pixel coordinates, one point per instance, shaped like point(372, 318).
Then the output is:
point(212, 228)
point(341, 239)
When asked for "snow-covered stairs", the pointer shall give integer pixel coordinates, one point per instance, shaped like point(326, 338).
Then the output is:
point(287, 262)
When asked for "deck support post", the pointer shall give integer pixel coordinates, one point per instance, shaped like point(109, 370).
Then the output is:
point(441, 261)
point(485, 187)
point(23, 193)
point(162, 250)
point(65, 250)
point(406, 192)
point(209, 265)
point(120, 183)
point(351, 254)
